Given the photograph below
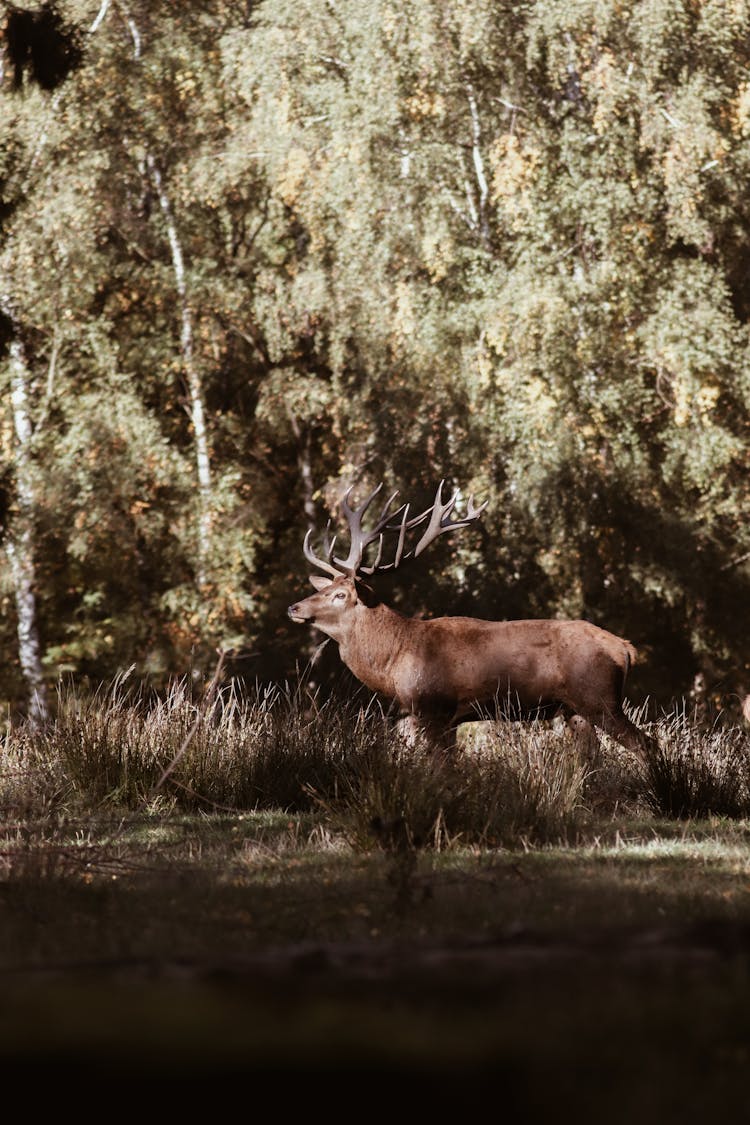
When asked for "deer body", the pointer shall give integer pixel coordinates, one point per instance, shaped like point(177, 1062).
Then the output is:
point(445, 670)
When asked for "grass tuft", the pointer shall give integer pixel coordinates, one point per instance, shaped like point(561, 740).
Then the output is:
point(517, 783)
point(696, 773)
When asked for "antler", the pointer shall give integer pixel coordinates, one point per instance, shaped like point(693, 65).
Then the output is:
point(437, 516)
point(359, 538)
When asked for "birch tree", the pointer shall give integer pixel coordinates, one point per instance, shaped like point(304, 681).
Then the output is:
point(192, 373)
point(19, 532)
point(192, 376)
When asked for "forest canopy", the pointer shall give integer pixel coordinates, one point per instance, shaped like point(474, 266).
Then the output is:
point(254, 253)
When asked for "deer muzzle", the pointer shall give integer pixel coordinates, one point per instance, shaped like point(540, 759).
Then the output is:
point(298, 615)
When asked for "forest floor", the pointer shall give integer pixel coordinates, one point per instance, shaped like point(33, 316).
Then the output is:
point(610, 979)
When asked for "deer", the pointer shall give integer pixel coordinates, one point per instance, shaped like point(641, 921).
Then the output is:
point(443, 671)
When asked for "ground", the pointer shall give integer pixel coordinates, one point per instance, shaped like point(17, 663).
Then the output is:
point(611, 980)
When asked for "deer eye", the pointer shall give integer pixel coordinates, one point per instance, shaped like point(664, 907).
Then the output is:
point(339, 597)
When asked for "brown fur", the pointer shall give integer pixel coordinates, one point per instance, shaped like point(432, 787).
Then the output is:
point(443, 670)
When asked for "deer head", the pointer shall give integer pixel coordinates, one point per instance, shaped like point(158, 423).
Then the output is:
point(331, 609)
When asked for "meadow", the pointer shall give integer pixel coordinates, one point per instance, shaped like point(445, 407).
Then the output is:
point(225, 886)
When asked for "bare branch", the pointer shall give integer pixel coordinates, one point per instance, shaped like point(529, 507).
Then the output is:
point(99, 17)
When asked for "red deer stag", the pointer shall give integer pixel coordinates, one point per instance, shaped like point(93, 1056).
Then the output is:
point(441, 671)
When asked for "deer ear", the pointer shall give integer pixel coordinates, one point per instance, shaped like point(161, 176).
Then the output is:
point(319, 582)
point(367, 595)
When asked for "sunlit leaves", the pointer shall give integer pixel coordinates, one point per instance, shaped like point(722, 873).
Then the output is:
point(501, 243)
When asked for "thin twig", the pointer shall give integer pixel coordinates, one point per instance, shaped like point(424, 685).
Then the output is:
point(735, 562)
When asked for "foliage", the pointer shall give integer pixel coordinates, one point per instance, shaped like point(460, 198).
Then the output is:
point(501, 244)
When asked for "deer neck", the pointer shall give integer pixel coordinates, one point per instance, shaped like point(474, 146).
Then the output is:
point(372, 643)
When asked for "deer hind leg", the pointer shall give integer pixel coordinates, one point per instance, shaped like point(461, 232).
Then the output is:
point(619, 727)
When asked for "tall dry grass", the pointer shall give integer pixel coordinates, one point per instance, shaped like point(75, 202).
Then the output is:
point(698, 771)
point(232, 749)
point(283, 748)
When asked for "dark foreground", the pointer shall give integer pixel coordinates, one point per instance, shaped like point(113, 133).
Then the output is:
point(643, 1026)
point(609, 985)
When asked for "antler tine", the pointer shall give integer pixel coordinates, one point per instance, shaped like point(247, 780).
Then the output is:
point(361, 539)
point(329, 544)
point(351, 564)
point(402, 536)
point(385, 514)
point(415, 521)
point(321, 564)
point(402, 526)
point(473, 513)
point(440, 518)
point(376, 565)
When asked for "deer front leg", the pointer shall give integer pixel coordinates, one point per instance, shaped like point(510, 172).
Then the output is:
point(426, 732)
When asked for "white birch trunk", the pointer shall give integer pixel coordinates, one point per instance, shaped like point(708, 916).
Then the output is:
point(481, 179)
point(195, 389)
point(305, 467)
point(19, 537)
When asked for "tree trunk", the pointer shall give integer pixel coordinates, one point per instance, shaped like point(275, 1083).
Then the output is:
point(476, 156)
point(192, 376)
point(19, 537)
point(195, 389)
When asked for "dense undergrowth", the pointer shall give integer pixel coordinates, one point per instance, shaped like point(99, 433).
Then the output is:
point(344, 764)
